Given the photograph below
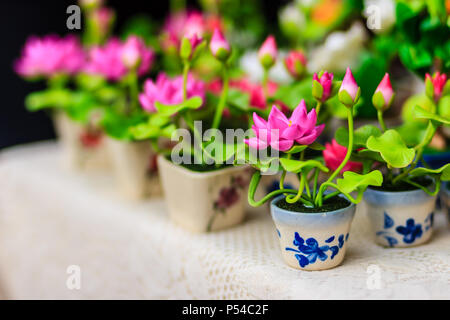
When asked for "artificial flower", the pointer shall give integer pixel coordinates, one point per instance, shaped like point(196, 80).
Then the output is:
point(385, 91)
point(436, 83)
point(219, 46)
point(295, 63)
point(268, 52)
point(334, 155)
point(326, 82)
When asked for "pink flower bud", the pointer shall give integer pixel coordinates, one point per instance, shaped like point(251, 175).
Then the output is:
point(219, 46)
point(349, 86)
point(103, 19)
point(91, 4)
point(334, 154)
point(195, 40)
point(437, 82)
point(268, 52)
point(295, 63)
point(326, 81)
point(385, 88)
point(134, 52)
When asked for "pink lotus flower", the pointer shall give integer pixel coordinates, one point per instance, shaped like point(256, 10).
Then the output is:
point(295, 63)
point(326, 81)
point(281, 133)
point(108, 60)
point(134, 53)
point(103, 20)
point(268, 52)
point(50, 55)
point(219, 46)
point(349, 85)
point(438, 81)
point(169, 91)
point(385, 88)
point(334, 155)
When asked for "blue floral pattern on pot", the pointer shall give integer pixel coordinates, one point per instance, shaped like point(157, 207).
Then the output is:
point(309, 250)
point(408, 233)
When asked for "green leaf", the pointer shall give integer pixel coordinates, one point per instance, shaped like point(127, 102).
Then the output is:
point(317, 90)
point(352, 181)
point(296, 149)
point(419, 112)
point(169, 110)
point(367, 154)
point(316, 146)
point(57, 98)
point(392, 149)
point(443, 171)
point(185, 49)
point(360, 135)
point(296, 166)
point(222, 152)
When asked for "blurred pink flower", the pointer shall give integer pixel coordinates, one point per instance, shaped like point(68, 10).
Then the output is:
point(295, 63)
point(281, 133)
point(218, 42)
point(108, 60)
point(169, 91)
point(268, 52)
point(134, 53)
point(326, 81)
point(334, 154)
point(385, 88)
point(349, 84)
point(103, 19)
point(438, 80)
point(50, 55)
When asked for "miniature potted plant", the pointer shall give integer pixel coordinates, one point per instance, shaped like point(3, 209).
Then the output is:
point(401, 210)
point(204, 192)
point(69, 94)
point(313, 221)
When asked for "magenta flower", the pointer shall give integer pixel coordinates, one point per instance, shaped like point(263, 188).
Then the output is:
point(295, 63)
point(195, 40)
point(281, 133)
point(169, 91)
point(334, 155)
point(438, 82)
point(181, 24)
point(44, 57)
point(103, 19)
point(108, 60)
point(134, 53)
point(90, 4)
point(385, 89)
point(268, 52)
point(326, 82)
point(349, 86)
point(219, 46)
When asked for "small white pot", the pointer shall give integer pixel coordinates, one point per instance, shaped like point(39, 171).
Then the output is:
point(445, 199)
point(81, 149)
point(204, 201)
point(312, 241)
point(400, 219)
point(135, 168)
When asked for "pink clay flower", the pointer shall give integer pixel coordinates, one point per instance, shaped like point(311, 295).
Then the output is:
point(268, 52)
point(295, 63)
point(349, 84)
point(169, 91)
point(108, 60)
point(334, 154)
point(438, 81)
point(44, 57)
point(219, 46)
point(326, 81)
point(281, 133)
point(385, 88)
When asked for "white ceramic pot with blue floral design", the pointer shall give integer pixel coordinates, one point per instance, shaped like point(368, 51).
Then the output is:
point(445, 199)
point(400, 219)
point(313, 241)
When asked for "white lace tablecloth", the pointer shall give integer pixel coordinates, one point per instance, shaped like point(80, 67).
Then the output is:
point(51, 218)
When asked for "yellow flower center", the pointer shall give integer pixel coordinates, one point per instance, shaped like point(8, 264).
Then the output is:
point(290, 123)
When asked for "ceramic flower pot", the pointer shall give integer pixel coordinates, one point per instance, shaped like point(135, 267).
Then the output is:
point(135, 168)
point(312, 241)
point(445, 199)
point(204, 201)
point(400, 219)
point(82, 148)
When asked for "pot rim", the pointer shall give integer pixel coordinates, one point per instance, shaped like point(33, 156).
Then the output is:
point(201, 175)
point(395, 198)
point(297, 213)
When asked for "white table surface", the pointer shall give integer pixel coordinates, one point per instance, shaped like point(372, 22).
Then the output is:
point(51, 218)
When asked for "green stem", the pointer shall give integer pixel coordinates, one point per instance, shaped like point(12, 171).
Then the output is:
point(185, 77)
point(265, 83)
point(134, 90)
point(381, 120)
point(316, 179)
point(346, 159)
point(318, 106)
point(223, 99)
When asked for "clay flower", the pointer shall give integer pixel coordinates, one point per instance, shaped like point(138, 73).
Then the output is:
point(349, 92)
point(169, 91)
point(384, 94)
point(103, 19)
point(108, 60)
point(325, 82)
point(295, 63)
point(281, 133)
point(50, 55)
point(334, 154)
point(268, 52)
point(435, 85)
point(219, 46)
point(134, 53)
